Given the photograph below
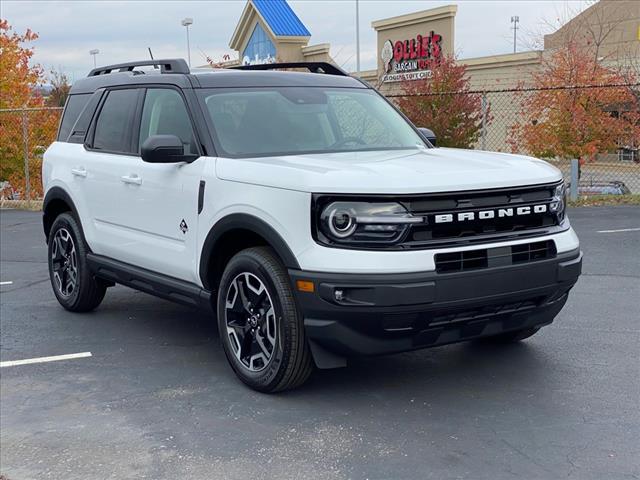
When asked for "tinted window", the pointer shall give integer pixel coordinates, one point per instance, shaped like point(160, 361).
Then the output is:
point(113, 127)
point(72, 110)
point(164, 113)
point(294, 120)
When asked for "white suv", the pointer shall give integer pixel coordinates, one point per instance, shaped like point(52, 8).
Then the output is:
point(304, 210)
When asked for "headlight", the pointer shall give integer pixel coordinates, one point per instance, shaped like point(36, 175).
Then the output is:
point(364, 222)
point(558, 203)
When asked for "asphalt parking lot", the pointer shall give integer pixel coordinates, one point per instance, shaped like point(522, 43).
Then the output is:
point(157, 399)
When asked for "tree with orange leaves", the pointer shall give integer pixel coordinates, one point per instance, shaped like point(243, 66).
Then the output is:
point(565, 121)
point(17, 77)
point(19, 80)
point(444, 104)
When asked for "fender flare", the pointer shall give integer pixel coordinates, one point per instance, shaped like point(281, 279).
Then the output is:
point(56, 193)
point(247, 222)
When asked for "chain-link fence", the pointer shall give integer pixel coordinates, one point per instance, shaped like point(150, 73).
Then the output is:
point(25, 133)
point(546, 122)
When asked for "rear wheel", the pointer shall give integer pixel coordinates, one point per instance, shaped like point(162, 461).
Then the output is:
point(73, 284)
point(260, 327)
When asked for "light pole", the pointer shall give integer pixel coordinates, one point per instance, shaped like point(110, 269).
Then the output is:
point(515, 20)
point(357, 38)
point(185, 23)
point(94, 53)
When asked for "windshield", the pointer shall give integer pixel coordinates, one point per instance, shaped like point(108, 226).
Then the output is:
point(296, 120)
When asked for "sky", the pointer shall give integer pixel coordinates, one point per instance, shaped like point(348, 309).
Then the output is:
point(122, 30)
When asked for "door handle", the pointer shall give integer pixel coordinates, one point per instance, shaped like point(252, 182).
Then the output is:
point(79, 172)
point(132, 179)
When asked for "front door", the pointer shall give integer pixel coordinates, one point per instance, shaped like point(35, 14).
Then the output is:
point(160, 201)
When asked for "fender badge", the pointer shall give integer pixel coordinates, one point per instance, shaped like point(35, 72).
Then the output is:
point(184, 228)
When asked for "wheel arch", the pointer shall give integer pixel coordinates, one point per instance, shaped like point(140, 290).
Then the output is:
point(56, 201)
point(232, 234)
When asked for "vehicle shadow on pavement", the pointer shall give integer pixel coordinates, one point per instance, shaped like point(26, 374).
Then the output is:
point(445, 368)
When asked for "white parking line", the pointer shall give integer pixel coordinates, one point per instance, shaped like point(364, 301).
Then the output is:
point(70, 356)
point(6, 283)
point(621, 230)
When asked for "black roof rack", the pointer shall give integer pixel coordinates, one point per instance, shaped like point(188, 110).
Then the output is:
point(314, 67)
point(171, 65)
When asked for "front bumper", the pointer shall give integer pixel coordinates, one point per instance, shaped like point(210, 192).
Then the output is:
point(385, 313)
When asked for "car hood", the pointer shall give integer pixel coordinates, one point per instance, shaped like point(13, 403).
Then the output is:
point(393, 172)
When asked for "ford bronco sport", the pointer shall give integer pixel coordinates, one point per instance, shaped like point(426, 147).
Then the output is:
point(306, 211)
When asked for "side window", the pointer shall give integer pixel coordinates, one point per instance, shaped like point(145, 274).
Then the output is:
point(113, 127)
point(72, 110)
point(164, 113)
point(79, 129)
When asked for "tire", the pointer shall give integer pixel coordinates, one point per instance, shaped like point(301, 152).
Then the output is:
point(261, 329)
point(512, 337)
point(67, 259)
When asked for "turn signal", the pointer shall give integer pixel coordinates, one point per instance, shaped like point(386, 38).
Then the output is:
point(305, 286)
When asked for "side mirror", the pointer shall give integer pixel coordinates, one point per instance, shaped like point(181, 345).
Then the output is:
point(164, 149)
point(429, 135)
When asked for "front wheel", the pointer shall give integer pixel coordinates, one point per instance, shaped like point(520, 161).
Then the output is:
point(260, 327)
point(73, 284)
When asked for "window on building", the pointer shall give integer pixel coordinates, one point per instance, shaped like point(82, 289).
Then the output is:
point(260, 48)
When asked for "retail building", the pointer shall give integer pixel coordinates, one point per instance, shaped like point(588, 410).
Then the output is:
point(269, 30)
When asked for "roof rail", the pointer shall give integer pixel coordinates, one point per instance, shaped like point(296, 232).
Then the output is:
point(171, 65)
point(313, 67)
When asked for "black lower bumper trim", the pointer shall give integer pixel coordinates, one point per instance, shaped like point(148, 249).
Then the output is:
point(352, 314)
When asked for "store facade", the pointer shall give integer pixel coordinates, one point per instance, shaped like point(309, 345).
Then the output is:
point(408, 45)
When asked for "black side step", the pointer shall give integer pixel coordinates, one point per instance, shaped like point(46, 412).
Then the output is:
point(150, 282)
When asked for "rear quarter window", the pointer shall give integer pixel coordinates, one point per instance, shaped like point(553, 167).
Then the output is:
point(72, 110)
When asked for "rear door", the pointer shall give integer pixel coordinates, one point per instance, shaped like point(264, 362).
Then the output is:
point(109, 150)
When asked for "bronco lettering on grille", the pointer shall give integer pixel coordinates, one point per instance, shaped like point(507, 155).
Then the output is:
point(489, 214)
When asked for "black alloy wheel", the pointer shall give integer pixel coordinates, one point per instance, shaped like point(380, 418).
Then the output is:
point(74, 286)
point(261, 328)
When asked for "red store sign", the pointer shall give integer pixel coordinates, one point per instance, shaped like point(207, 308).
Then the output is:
point(411, 59)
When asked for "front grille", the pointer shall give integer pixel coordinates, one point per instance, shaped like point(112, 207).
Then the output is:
point(530, 252)
point(461, 261)
point(458, 232)
point(494, 257)
point(450, 219)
